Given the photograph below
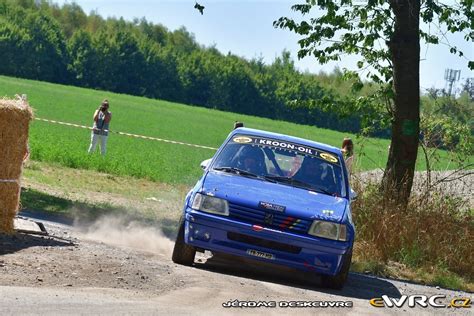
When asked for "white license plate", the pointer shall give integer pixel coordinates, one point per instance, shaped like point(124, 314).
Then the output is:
point(260, 254)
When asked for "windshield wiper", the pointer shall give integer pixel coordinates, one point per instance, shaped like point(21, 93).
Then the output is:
point(237, 171)
point(289, 180)
point(298, 183)
point(321, 190)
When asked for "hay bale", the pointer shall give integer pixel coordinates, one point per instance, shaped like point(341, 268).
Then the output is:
point(15, 116)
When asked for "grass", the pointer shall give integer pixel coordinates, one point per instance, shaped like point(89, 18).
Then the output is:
point(85, 195)
point(74, 211)
point(429, 242)
point(91, 185)
point(153, 160)
point(434, 275)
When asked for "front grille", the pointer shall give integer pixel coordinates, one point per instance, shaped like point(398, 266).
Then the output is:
point(257, 216)
point(263, 243)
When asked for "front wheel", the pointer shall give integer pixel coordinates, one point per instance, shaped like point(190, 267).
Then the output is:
point(182, 252)
point(337, 281)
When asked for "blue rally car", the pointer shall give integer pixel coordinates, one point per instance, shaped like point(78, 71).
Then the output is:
point(274, 198)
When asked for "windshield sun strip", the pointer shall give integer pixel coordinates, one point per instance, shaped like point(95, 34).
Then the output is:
point(284, 145)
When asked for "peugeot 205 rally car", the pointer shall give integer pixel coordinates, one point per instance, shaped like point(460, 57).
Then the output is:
point(275, 198)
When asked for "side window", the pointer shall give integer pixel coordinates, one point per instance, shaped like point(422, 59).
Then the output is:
point(333, 178)
point(228, 155)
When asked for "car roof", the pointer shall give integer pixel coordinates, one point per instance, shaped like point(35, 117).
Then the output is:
point(287, 138)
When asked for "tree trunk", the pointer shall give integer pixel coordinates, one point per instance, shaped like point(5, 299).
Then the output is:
point(404, 48)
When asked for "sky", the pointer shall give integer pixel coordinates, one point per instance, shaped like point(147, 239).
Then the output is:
point(245, 28)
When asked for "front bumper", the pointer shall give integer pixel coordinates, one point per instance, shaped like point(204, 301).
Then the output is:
point(221, 234)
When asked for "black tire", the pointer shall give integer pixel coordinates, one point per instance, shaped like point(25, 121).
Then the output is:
point(337, 281)
point(182, 252)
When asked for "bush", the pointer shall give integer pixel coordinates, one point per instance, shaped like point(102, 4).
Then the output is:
point(435, 230)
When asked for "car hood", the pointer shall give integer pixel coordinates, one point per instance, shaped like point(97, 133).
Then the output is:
point(250, 192)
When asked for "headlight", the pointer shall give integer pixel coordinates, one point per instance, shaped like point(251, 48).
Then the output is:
point(328, 230)
point(210, 204)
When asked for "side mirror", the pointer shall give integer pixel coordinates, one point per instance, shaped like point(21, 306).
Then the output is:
point(353, 195)
point(205, 163)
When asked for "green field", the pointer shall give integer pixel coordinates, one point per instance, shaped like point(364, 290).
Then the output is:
point(154, 160)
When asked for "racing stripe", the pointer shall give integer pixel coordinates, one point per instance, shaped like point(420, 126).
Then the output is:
point(287, 222)
point(295, 223)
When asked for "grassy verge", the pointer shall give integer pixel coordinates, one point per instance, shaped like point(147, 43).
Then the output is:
point(430, 242)
point(86, 195)
point(437, 276)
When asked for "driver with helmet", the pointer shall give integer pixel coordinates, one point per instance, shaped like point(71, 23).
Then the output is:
point(251, 159)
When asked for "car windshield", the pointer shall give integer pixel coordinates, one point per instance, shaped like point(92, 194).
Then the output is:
point(283, 162)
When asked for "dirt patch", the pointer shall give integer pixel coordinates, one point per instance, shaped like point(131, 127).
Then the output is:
point(66, 259)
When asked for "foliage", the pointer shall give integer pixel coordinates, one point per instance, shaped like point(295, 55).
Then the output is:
point(433, 231)
point(62, 44)
point(445, 132)
point(447, 123)
point(386, 36)
point(365, 28)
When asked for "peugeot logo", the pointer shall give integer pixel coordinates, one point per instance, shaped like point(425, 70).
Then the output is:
point(268, 218)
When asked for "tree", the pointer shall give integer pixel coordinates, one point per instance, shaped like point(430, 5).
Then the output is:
point(72, 18)
point(130, 63)
point(386, 36)
point(161, 78)
point(14, 45)
point(155, 32)
point(84, 62)
point(197, 73)
point(48, 56)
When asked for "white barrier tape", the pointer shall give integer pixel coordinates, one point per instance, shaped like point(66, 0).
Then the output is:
point(8, 181)
point(127, 134)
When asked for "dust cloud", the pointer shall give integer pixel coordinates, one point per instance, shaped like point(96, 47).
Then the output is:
point(120, 231)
